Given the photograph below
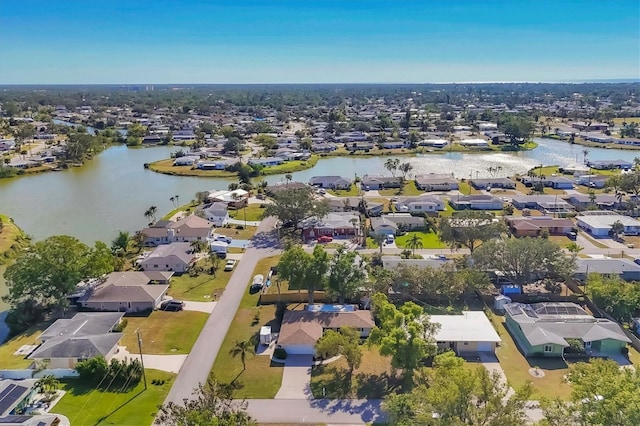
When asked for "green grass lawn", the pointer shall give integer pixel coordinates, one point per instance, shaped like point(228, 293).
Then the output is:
point(7, 349)
point(187, 207)
point(354, 191)
point(84, 405)
point(291, 166)
point(429, 240)
point(164, 332)
point(373, 379)
point(409, 189)
point(167, 167)
point(516, 367)
point(261, 378)
point(254, 213)
point(11, 238)
point(238, 234)
point(201, 288)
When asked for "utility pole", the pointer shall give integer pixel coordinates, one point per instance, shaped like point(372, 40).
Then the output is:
point(144, 376)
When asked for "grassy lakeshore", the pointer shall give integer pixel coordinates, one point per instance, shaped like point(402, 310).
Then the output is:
point(12, 239)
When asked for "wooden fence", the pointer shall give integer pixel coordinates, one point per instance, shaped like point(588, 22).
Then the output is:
point(302, 297)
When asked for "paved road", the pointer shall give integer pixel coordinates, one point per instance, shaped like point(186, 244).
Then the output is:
point(200, 360)
point(323, 411)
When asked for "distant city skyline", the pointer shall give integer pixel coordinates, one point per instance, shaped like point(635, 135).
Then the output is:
point(329, 41)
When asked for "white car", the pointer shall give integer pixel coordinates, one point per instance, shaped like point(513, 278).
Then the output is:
point(229, 265)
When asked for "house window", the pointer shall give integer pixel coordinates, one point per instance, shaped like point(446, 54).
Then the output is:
point(548, 348)
point(466, 343)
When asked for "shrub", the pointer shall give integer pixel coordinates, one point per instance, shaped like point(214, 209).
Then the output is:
point(120, 327)
point(280, 353)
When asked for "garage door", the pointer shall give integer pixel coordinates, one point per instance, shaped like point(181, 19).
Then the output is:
point(299, 349)
point(485, 347)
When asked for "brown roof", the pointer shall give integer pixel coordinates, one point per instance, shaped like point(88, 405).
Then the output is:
point(129, 286)
point(190, 226)
point(305, 328)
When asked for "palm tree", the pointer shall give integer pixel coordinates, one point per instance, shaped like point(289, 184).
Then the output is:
point(414, 242)
point(392, 165)
point(138, 238)
point(150, 214)
point(242, 348)
point(172, 199)
point(585, 153)
point(617, 228)
point(379, 239)
point(48, 384)
point(177, 198)
point(197, 246)
point(288, 178)
point(574, 249)
point(120, 244)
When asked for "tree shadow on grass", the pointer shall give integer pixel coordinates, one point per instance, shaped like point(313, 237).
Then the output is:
point(376, 386)
point(334, 384)
point(115, 410)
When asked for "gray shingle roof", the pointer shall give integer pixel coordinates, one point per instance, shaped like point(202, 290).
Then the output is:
point(83, 324)
point(77, 347)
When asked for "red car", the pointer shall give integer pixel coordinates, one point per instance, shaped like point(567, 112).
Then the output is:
point(325, 239)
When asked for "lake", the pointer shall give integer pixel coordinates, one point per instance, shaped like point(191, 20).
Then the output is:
point(112, 191)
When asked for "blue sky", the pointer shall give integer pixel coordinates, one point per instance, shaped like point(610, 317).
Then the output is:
point(305, 41)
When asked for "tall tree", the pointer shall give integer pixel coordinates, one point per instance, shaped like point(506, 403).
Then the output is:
point(469, 228)
point(392, 165)
point(120, 244)
point(294, 205)
point(345, 342)
point(524, 260)
point(212, 404)
point(346, 273)
point(404, 169)
point(405, 334)
point(41, 277)
point(242, 348)
point(602, 393)
point(414, 242)
point(459, 396)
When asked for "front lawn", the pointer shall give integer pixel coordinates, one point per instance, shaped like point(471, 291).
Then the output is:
point(202, 287)
point(409, 189)
point(163, 332)
point(261, 378)
point(353, 191)
point(238, 234)
point(83, 404)
point(374, 378)
point(516, 367)
point(291, 166)
point(8, 359)
point(429, 240)
point(254, 213)
point(11, 238)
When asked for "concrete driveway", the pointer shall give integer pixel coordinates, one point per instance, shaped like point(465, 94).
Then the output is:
point(170, 363)
point(296, 378)
point(206, 307)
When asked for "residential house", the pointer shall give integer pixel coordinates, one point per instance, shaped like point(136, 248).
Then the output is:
point(186, 160)
point(623, 268)
point(184, 135)
point(476, 202)
point(69, 341)
point(436, 182)
point(533, 226)
point(129, 291)
point(391, 223)
point(593, 181)
point(176, 257)
point(348, 204)
point(601, 201)
point(190, 228)
point(582, 126)
point(15, 396)
point(465, 334)
point(376, 182)
point(215, 164)
point(323, 147)
point(610, 164)
point(548, 204)
point(265, 161)
point(434, 143)
point(216, 213)
point(341, 224)
point(235, 199)
point(152, 139)
point(599, 223)
point(492, 183)
point(359, 146)
point(474, 143)
point(558, 182)
point(330, 182)
point(394, 144)
point(420, 205)
point(300, 330)
point(543, 329)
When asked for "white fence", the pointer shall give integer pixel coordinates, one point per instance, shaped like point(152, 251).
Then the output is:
point(58, 373)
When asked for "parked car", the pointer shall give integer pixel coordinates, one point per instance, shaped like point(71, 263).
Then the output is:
point(257, 282)
point(172, 305)
point(325, 239)
point(390, 238)
point(572, 235)
point(223, 238)
point(229, 265)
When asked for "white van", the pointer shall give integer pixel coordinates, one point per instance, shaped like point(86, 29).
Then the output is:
point(390, 239)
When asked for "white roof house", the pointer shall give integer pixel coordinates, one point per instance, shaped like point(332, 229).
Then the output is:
point(599, 223)
point(469, 332)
